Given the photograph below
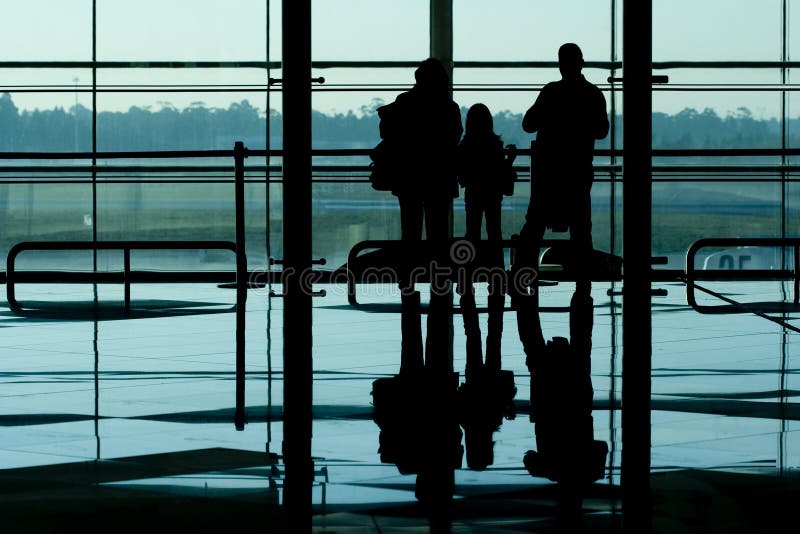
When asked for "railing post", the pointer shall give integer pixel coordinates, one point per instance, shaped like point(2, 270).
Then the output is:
point(239, 153)
point(126, 260)
point(796, 273)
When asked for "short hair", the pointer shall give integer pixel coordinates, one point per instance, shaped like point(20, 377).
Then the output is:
point(432, 74)
point(570, 54)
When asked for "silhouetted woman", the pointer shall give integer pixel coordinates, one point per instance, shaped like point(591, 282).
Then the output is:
point(422, 127)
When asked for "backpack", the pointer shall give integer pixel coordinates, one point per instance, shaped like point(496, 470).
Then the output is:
point(382, 170)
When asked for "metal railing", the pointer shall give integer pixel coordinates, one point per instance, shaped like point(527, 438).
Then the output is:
point(694, 275)
point(125, 277)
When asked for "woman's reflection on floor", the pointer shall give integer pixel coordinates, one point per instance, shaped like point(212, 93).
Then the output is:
point(420, 434)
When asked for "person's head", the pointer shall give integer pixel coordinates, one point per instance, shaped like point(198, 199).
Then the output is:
point(479, 121)
point(431, 76)
point(570, 60)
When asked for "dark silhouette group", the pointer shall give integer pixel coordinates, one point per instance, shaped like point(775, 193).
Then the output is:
point(423, 127)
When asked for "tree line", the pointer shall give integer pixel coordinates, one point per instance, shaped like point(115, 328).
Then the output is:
point(199, 127)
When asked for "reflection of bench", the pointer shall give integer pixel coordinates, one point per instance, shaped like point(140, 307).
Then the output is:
point(125, 277)
point(378, 261)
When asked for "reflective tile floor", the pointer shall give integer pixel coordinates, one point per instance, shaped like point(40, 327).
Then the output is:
point(130, 420)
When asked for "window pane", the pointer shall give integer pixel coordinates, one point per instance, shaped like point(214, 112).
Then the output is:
point(716, 30)
point(43, 212)
point(44, 30)
point(152, 30)
point(517, 30)
point(44, 120)
point(684, 213)
point(344, 107)
point(186, 120)
point(379, 30)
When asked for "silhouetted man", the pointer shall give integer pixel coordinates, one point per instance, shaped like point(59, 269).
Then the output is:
point(568, 116)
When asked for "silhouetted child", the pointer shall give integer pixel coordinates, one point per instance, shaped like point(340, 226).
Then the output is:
point(484, 172)
point(486, 175)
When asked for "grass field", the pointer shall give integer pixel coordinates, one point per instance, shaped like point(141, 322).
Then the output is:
point(343, 214)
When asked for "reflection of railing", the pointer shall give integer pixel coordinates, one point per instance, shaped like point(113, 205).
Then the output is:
point(239, 153)
point(125, 277)
point(694, 275)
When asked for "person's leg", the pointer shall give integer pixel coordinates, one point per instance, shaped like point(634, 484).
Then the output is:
point(410, 235)
point(411, 359)
point(437, 215)
point(524, 270)
point(493, 229)
point(496, 287)
point(581, 240)
point(472, 332)
point(437, 212)
point(474, 214)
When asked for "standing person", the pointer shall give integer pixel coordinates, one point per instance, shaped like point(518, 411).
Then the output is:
point(486, 175)
point(568, 116)
point(484, 172)
point(423, 127)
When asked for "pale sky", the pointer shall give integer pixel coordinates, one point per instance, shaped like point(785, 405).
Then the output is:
point(187, 30)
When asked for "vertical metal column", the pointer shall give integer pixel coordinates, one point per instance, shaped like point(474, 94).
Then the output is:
point(784, 126)
point(637, 219)
point(297, 325)
point(239, 153)
point(441, 33)
point(94, 142)
point(441, 48)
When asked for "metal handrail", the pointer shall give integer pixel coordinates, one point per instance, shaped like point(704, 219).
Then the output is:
point(127, 276)
point(167, 154)
point(694, 275)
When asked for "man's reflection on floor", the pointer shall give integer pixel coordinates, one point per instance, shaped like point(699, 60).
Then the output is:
point(561, 400)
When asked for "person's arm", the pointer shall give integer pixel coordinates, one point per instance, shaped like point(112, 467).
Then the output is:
point(512, 154)
point(386, 124)
point(602, 117)
point(456, 120)
point(532, 120)
point(462, 167)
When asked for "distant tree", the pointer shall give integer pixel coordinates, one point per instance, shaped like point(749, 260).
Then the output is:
point(199, 126)
point(9, 123)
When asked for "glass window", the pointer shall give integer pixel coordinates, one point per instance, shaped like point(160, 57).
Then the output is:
point(43, 30)
point(520, 30)
point(44, 212)
point(217, 108)
point(689, 30)
point(376, 30)
point(344, 107)
point(686, 212)
point(46, 110)
point(182, 30)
